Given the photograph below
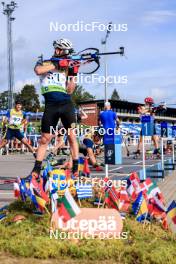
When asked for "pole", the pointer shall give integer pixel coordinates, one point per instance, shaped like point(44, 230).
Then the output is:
point(105, 60)
point(143, 157)
point(106, 73)
point(10, 61)
point(173, 151)
point(8, 10)
point(162, 154)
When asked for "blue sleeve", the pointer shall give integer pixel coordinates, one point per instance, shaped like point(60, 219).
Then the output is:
point(8, 114)
point(115, 115)
point(24, 115)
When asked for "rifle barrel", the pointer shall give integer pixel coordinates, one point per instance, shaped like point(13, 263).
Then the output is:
point(110, 53)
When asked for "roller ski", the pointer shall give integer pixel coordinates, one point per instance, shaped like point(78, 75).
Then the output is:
point(150, 154)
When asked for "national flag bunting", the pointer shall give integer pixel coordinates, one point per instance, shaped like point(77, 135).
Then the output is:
point(124, 201)
point(84, 190)
point(111, 194)
point(68, 207)
point(171, 211)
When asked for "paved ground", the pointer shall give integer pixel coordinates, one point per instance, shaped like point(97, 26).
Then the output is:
point(12, 166)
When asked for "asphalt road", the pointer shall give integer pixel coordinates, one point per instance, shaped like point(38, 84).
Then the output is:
point(21, 165)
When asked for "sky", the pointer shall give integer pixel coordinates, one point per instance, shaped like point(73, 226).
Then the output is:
point(149, 43)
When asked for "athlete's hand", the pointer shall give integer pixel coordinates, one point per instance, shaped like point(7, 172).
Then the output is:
point(75, 66)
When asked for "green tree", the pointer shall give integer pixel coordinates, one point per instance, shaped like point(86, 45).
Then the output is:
point(115, 95)
point(30, 98)
point(81, 95)
point(4, 99)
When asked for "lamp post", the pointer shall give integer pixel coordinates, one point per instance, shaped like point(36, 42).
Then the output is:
point(103, 42)
point(8, 10)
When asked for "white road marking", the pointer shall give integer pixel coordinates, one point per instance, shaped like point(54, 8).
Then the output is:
point(137, 162)
point(118, 168)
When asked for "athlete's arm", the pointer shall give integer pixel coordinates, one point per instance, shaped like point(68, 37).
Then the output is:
point(42, 69)
point(142, 110)
point(71, 85)
point(5, 121)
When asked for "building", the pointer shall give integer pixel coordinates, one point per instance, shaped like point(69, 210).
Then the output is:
point(126, 111)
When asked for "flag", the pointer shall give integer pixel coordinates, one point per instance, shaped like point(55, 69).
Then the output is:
point(41, 202)
point(156, 208)
point(143, 211)
point(16, 190)
point(146, 185)
point(124, 201)
point(137, 203)
point(159, 210)
point(68, 207)
point(131, 190)
point(111, 195)
point(38, 189)
point(84, 191)
point(31, 195)
point(86, 170)
point(140, 208)
point(152, 191)
point(22, 186)
point(57, 182)
point(133, 185)
point(171, 211)
point(81, 165)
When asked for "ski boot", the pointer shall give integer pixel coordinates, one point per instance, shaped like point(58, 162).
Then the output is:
point(136, 154)
point(156, 153)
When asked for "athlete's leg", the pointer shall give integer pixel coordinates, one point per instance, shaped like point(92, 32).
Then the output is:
point(25, 142)
point(3, 143)
point(59, 145)
point(68, 119)
point(49, 120)
point(74, 149)
point(139, 144)
point(43, 144)
point(155, 141)
point(73, 144)
point(7, 136)
point(91, 156)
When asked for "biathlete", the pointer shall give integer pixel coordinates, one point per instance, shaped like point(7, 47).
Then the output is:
point(87, 146)
point(57, 85)
point(147, 109)
point(14, 120)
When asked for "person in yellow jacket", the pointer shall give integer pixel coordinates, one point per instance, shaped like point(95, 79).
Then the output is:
point(15, 118)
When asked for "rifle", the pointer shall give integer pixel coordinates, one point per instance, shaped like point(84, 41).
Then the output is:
point(84, 57)
point(154, 108)
point(159, 107)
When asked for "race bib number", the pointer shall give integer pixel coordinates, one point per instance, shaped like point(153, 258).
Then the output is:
point(15, 120)
point(54, 79)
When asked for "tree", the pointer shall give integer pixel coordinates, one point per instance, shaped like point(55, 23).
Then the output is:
point(81, 95)
point(115, 95)
point(4, 100)
point(29, 98)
